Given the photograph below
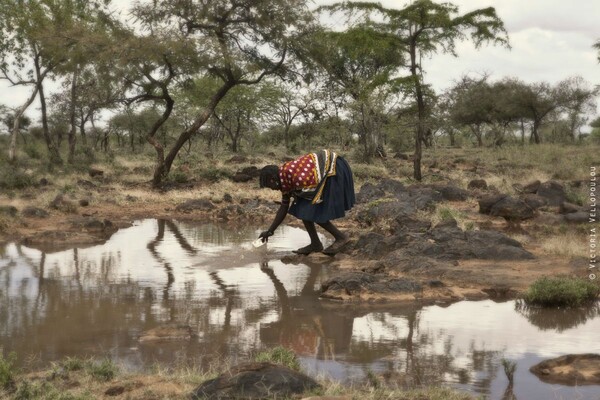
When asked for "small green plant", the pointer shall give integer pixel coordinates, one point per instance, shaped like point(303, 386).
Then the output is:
point(214, 174)
point(279, 355)
point(179, 177)
point(104, 370)
point(73, 364)
point(509, 369)
point(7, 371)
point(561, 292)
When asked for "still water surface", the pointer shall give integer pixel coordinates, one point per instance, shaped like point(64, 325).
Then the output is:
point(98, 301)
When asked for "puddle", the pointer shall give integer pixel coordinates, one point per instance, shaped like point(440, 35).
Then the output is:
point(98, 300)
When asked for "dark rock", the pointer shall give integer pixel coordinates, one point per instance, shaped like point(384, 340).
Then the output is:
point(512, 209)
point(553, 191)
point(237, 159)
point(531, 187)
point(85, 184)
point(230, 211)
point(255, 381)
point(571, 370)
point(44, 182)
point(271, 154)
point(130, 198)
point(10, 211)
point(477, 184)
point(568, 208)
point(451, 193)
point(392, 186)
point(354, 284)
point(93, 172)
point(227, 198)
point(405, 223)
point(195, 205)
point(492, 245)
point(372, 244)
point(63, 204)
point(401, 156)
point(84, 202)
point(369, 192)
point(241, 177)
point(487, 202)
point(115, 391)
point(534, 201)
point(436, 284)
point(424, 198)
point(578, 217)
point(384, 209)
point(251, 171)
point(34, 212)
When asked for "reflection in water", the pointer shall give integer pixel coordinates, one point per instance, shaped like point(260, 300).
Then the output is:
point(557, 319)
point(98, 300)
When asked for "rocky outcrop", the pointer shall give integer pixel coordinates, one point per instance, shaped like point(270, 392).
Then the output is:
point(553, 192)
point(477, 184)
point(512, 209)
point(195, 205)
point(255, 381)
point(61, 203)
point(362, 285)
point(444, 242)
point(9, 211)
point(572, 370)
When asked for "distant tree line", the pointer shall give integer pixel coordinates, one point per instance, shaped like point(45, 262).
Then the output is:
point(251, 73)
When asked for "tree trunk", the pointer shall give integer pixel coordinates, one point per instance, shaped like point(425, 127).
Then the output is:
point(522, 132)
point(160, 150)
point(535, 137)
point(12, 146)
point(73, 130)
point(52, 149)
point(187, 134)
point(420, 111)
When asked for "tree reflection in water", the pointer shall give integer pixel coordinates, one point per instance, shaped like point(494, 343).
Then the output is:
point(98, 301)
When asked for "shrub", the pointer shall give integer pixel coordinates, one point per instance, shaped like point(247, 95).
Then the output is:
point(103, 371)
point(279, 355)
point(13, 178)
point(561, 292)
point(214, 174)
point(7, 371)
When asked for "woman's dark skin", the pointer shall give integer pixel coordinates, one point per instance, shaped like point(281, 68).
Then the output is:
point(315, 243)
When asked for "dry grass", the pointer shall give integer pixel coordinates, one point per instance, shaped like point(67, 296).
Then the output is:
point(568, 244)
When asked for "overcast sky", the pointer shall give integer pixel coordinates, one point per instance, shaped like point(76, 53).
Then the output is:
point(550, 39)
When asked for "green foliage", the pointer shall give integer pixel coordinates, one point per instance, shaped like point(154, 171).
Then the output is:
point(561, 292)
point(104, 370)
point(214, 174)
point(14, 178)
point(73, 364)
point(45, 391)
point(179, 177)
point(7, 370)
point(279, 355)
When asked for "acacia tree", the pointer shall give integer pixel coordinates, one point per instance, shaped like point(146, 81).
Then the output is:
point(421, 29)
point(580, 102)
point(37, 38)
point(597, 47)
point(240, 42)
point(359, 62)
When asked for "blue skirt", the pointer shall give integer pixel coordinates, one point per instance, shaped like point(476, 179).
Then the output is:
point(338, 197)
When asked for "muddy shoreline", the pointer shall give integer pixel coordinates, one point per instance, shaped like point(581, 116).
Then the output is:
point(395, 254)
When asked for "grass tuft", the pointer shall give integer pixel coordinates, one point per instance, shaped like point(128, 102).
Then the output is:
point(279, 355)
point(7, 371)
point(104, 370)
point(561, 292)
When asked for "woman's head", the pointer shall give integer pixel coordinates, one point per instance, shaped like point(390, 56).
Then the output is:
point(269, 177)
